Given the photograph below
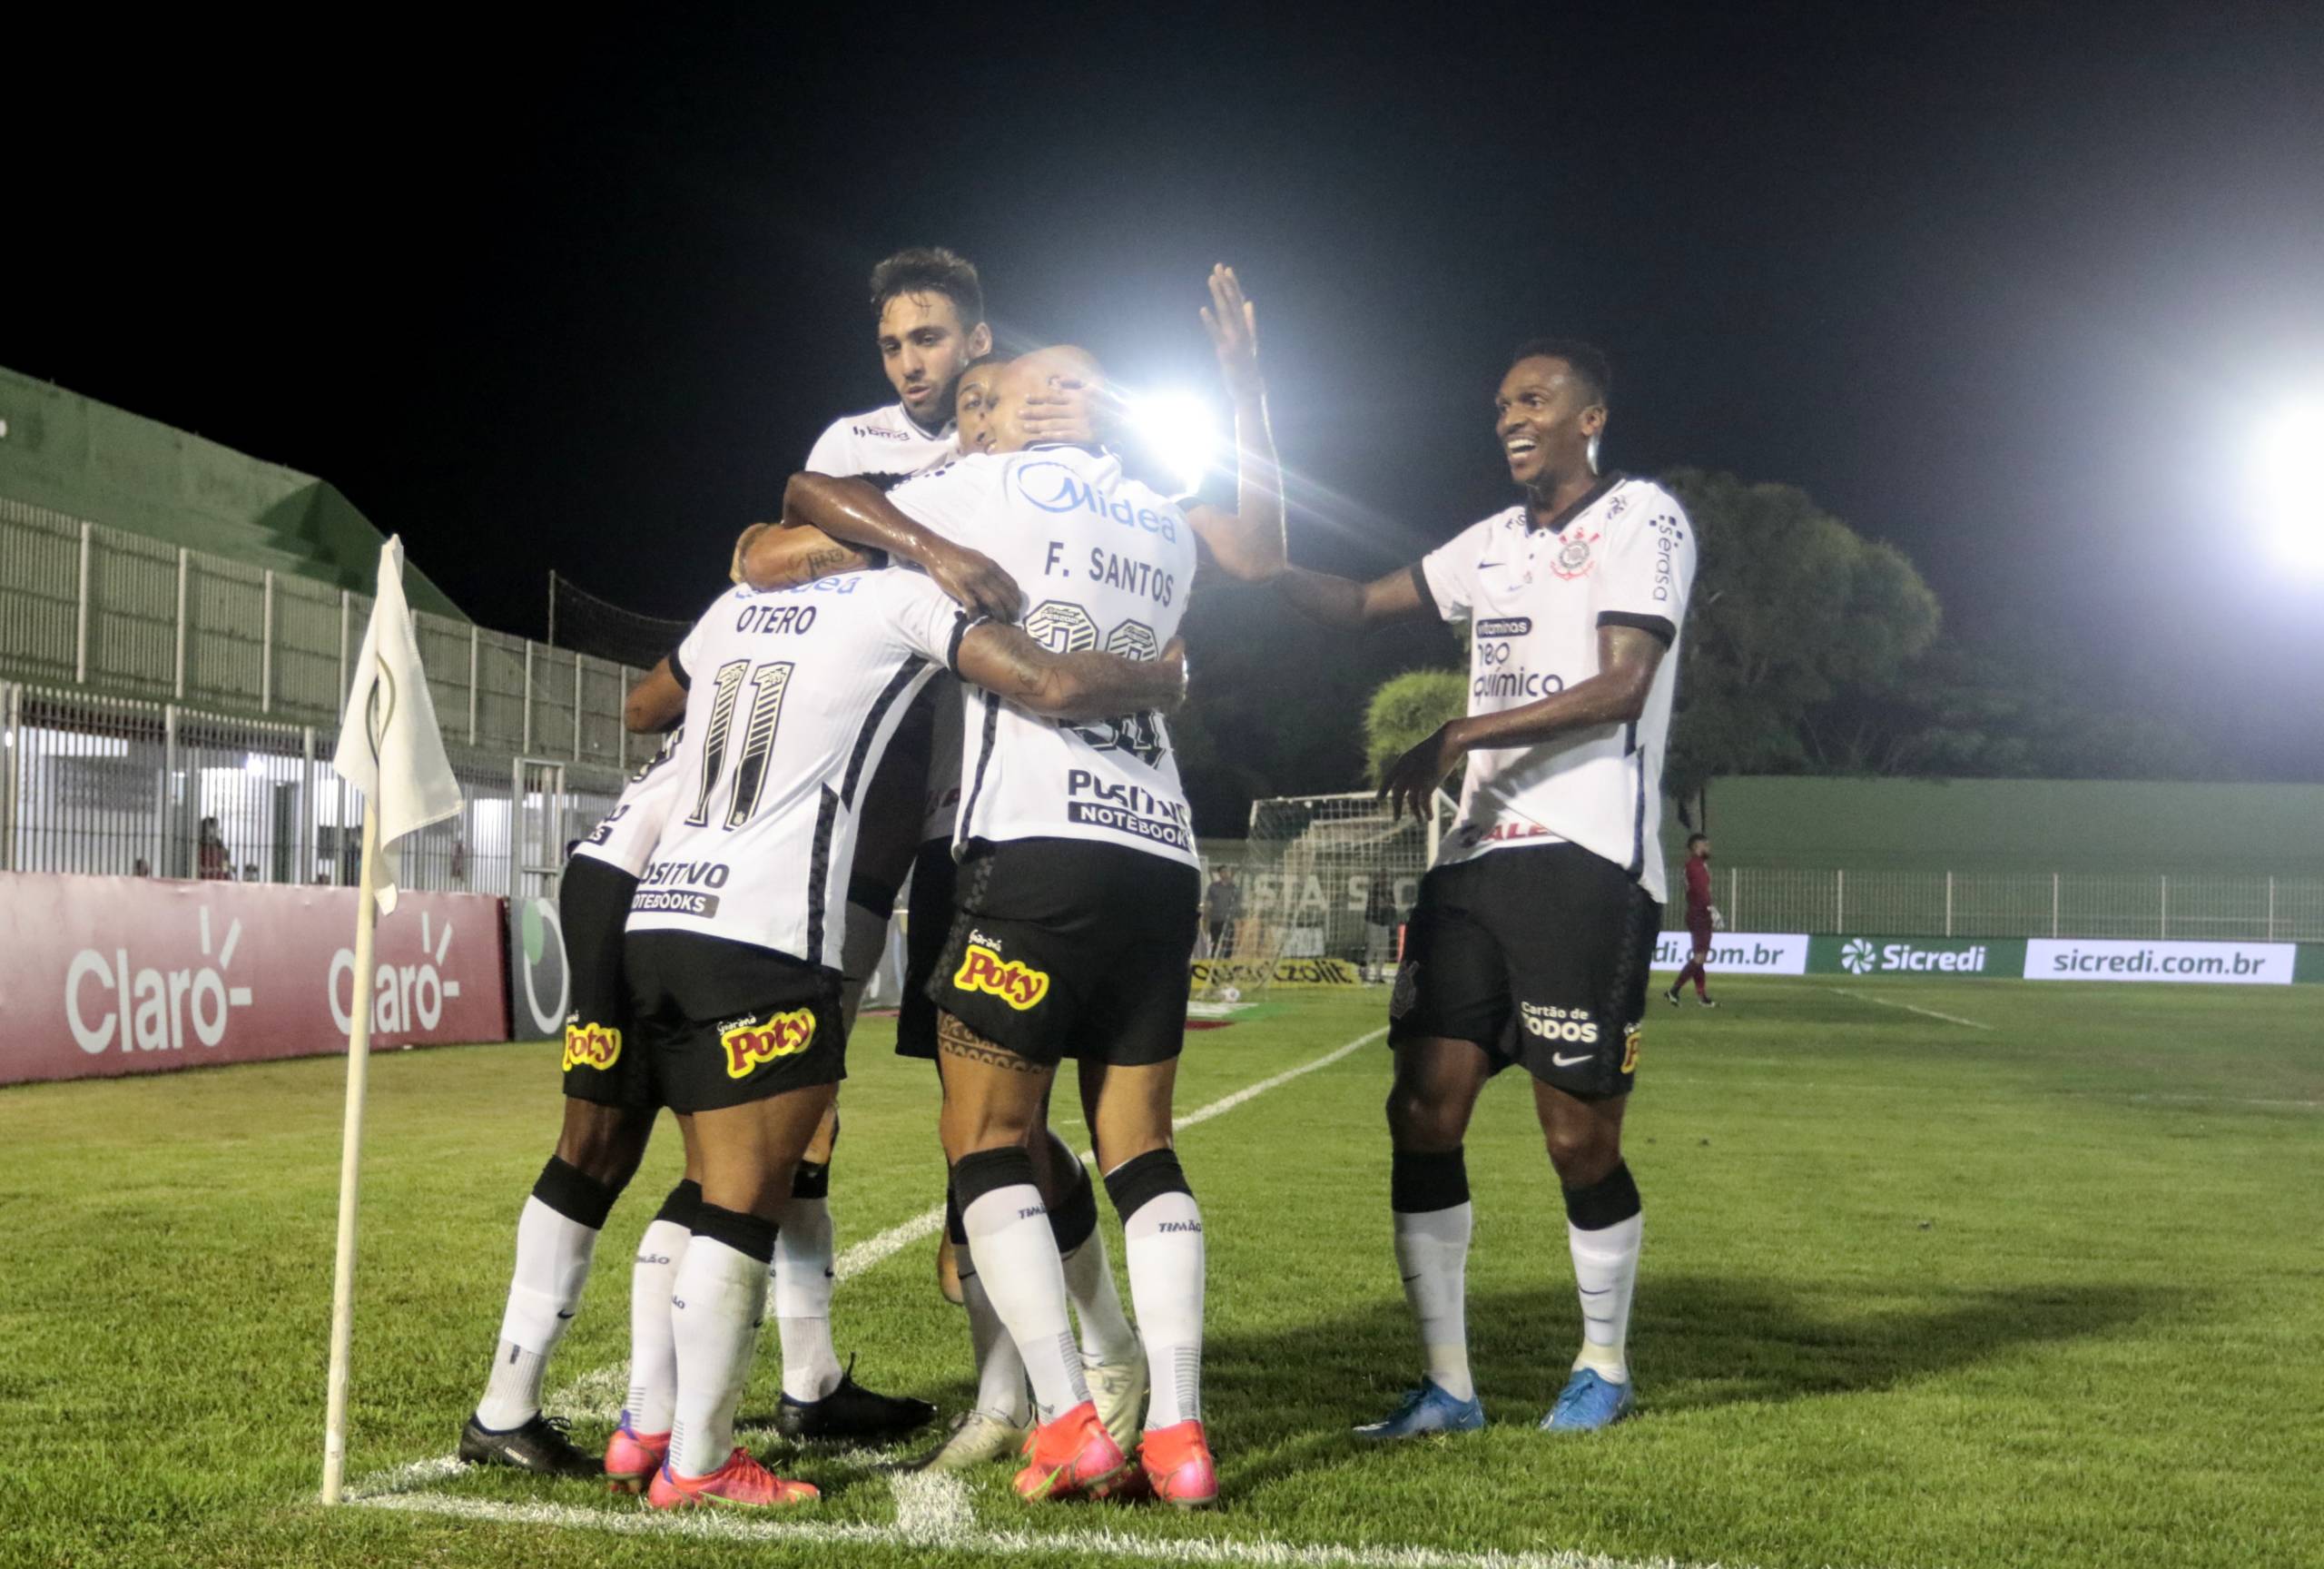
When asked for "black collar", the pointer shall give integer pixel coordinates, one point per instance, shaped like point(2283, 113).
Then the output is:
point(1581, 503)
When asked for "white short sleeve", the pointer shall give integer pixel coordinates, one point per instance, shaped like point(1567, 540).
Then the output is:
point(830, 454)
point(1447, 575)
point(682, 657)
point(956, 501)
point(1649, 567)
point(925, 619)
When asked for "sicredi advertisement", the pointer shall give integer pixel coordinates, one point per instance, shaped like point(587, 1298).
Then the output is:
point(1739, 952)
point(2212, 964)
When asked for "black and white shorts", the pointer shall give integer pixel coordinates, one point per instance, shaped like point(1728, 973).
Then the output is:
point(602, 1062)
point(724, 1023)
point(1063, 947)
point(1540, 955)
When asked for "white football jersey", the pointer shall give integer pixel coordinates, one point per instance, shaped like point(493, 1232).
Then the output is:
point(626, 836)
point(885, 446)
point(1535, 598)
point(791, 699)
point(1106, 563)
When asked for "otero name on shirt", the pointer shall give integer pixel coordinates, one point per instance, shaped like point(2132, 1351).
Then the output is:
point(1125, 808)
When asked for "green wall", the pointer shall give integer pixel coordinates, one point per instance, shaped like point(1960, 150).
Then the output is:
point(2015, 824)
point(89, 461)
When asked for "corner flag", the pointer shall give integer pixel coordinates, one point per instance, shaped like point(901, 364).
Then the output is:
point(390, 749)
point(388, 746)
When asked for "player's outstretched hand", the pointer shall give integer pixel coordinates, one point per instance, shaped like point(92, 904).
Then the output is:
point(976, 581)
point(1233, 322)
point(1412, 780)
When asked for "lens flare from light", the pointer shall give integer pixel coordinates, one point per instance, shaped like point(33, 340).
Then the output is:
point(2289, 479)
point(1177, 430)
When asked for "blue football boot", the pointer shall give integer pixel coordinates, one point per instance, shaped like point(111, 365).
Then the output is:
point(1425, 1410)
point(1587, 1403)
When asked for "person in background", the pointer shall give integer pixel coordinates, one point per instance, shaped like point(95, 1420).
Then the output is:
point(249, 871)
point(1702, 916)
point(1379, 926)
point(1222, 906)
point(212, 864)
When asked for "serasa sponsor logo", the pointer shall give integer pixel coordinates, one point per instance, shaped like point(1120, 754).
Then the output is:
point(1666, 536)
point(750, 1044)
point(1571, 1027)
point(404, 997)
point(591, 1045)
point(1054, 487)
point(109, 998)
point(1015, 982)
point(1505, 627)
point(774, 620)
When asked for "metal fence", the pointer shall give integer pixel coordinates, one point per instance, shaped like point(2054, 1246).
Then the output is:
point(93, 784)
point(2159, 905)
point(98, 610)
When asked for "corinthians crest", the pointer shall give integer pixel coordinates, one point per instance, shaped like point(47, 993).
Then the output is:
point(1576, 552)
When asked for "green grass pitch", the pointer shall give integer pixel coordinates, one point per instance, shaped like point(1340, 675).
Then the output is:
point(1916, 1294)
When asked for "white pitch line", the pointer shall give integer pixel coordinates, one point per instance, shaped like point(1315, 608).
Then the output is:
point(1907, 1007)
point(873, 1250)
point(947, 1534)
point(599, 1393)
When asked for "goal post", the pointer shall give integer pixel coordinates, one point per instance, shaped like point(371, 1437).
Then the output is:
point(1327, 878)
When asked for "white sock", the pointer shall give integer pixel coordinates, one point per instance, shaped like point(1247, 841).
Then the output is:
point(1016, 1254)
point(714, 1308)
point(553, 1254)
point(653, 1354)
point(1605, 1272)
point(1001, 1372)
point(1162, 1240)
point(803, 1298)
point(1432, 1257)
point(1106, 1333)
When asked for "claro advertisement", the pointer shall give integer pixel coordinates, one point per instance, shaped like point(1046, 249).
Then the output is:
point(110, 975)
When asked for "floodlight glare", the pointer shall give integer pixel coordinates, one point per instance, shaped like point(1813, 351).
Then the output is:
point(2289, 481)
point(1177, 430)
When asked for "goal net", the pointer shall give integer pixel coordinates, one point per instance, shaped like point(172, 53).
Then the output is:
point(1326, 883)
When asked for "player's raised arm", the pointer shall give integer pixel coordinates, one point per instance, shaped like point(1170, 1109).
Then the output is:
point(1088, 686)
point(1247, 543)
point(657, 702)
point(1344, 602)
point(770, 556)
point(855, 513)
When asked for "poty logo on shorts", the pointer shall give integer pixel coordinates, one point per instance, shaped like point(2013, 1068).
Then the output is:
point(591, 1045)
point(749, 1044)
point(1012, 980)
point(1570, 1026)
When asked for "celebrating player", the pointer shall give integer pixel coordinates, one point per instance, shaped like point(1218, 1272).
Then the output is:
point(1077, 900)
point(1534, 931)
point(609, 1109)
point(732, 955)
point(1702, 916)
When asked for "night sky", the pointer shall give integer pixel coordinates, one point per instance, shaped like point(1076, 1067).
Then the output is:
point(2005, 285)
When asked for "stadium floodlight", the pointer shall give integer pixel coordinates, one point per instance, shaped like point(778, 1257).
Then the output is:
point(2289, 481)
point(1177, 430)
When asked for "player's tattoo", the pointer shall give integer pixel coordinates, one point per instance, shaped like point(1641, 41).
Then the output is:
point(956, 1039)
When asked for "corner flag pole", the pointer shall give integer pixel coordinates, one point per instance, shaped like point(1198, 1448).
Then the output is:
point(350, 1157)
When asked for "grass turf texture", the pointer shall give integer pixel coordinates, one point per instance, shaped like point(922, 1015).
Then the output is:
point(1913, 1294)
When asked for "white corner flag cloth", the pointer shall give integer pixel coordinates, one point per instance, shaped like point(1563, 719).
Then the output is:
point(388, 746)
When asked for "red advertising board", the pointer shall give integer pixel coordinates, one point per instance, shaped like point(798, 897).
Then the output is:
point(107, 975)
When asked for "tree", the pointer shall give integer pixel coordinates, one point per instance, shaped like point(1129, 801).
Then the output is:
point(1406, 710)
point(1791, 610)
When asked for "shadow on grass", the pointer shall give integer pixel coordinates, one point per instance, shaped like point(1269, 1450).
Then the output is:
point(1289, 1396)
